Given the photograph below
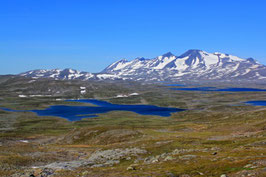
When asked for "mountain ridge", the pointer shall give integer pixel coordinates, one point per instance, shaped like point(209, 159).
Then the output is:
point(194, 64)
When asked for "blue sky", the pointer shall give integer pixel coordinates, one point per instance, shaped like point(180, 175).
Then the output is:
point(88, 35)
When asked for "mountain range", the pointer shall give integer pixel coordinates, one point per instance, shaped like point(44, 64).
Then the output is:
point(193, 65)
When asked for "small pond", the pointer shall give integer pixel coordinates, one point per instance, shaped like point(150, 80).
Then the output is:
point(214, 89)
point(257, 103)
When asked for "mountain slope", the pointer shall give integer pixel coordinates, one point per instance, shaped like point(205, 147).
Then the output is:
point(192, 65)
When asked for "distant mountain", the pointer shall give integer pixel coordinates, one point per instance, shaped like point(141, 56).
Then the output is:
point(193, 65)
point(67, 74)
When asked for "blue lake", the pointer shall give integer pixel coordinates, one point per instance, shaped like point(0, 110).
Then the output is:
point(173, 85)
point(257, 103)
point(214, 89)
point(75, 113)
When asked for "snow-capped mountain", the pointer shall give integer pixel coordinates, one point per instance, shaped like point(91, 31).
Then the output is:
point(192, 65)
point(67, 74)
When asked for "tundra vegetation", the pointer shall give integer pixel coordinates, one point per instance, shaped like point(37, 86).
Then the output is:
point(218, 135)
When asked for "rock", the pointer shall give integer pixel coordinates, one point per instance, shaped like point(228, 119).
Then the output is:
point(98, 165)
point(99, 159)
point(152, 159)
point(185, 175)
point(248, 166)
point(169, 174)
point(85, 173)
point(214, 153)
point(163, 142)
point(223, 175)
point(131, 168)
point(187, 157)
point(45, 172)
point(169, 158)
point(163, 155)
point(219, 138)
point(114, 154)
point(182, 151)
point(261, 162)
point(215, 149)
point(200, 173)
point(67, 165)
point(251, 173)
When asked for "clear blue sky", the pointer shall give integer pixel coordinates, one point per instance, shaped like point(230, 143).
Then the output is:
point(88, 35)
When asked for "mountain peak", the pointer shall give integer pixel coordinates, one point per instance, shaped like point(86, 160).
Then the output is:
point(168, 54)
point(69, 70)
point(252, 60)
point(123, 60)
point(191, 52)
point(140, 58)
